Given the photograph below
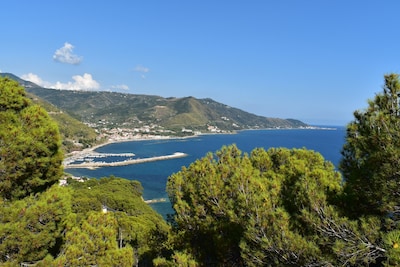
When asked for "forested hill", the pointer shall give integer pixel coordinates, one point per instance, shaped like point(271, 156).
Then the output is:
point(133, 110)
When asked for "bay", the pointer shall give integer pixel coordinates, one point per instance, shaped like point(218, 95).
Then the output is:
point(153, 175)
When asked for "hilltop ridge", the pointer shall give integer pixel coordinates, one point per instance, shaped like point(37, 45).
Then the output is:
point(114, 114)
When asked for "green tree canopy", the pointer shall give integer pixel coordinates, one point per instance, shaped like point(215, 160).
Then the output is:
point(371, 167)
point(93, 243)
point(44, 224)
point(32, 228)
point(371, 155)
point(270, 207)
point(137, 226)
point(30, 145)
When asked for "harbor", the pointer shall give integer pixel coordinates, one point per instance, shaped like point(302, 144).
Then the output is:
point(87, 163)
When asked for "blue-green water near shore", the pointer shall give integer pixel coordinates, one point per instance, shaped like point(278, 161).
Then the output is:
point(154, 175)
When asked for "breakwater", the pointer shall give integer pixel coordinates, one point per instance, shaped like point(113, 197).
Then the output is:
point(92, 164)
point(156, 200)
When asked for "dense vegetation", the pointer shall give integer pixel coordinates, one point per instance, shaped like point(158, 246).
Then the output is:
point(44, 224)
point(286, 207)
point(75, 135)
point(280, 207)
point(29, 145)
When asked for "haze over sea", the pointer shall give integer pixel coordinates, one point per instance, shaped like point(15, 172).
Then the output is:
point(153, 175)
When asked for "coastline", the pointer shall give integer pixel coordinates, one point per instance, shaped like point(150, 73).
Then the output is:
point(91, 151)
point(322, 128)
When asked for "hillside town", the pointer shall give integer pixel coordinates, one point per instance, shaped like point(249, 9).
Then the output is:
point(152, 131)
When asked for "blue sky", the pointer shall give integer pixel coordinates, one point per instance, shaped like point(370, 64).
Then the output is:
point(316, 61)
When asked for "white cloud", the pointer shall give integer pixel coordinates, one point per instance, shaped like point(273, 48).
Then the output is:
point(84, 82)
point(121, 87)
point(35, 79)
point(142, 70)
point(65, 55)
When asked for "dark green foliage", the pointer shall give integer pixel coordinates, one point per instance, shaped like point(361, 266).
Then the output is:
point(371, 155)
point(117, 193)
point(47, 225)
point(32, 227)
point(67, 227)
point(370, 165)
point(30, 154)
point(75, 134)
point(93, 243)
point(221, 202)
point(13, 97)
point(269, 208)
point(137, 225)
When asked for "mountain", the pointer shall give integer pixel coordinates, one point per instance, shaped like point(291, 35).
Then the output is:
point(102, 109)
point(171, 113)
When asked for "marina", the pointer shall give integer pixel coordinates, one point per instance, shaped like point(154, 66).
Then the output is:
point(69, 163)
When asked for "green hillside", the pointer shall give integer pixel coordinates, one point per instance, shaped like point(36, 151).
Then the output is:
point(75, 134)
point(133, 110)
point(148, 114)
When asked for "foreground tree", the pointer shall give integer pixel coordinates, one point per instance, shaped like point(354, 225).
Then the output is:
point(137, 225)
point(33, 211)
point(370, 166)
point(270, 207)
point(40, 225)
point(371, 155)
point(293, 220)
point(33, 227)
point(93, 243)
point(30, 145)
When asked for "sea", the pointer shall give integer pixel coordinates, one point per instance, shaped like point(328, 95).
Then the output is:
point(327, 140)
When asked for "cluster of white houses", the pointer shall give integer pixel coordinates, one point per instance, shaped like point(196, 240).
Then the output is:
point(147, 131)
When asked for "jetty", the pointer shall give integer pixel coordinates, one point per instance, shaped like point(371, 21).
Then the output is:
point(156, 200)
point(93, 164)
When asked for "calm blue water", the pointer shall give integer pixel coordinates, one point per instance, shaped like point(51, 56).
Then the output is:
point(153, 175)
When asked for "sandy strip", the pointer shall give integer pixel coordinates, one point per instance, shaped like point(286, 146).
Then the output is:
point(122, 140)
point(113, 141)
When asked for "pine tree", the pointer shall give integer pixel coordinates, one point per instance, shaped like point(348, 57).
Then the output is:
point(94, 243)
point(371, 155)
point(269, 208)
point(31, 228)
point(30, 145)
